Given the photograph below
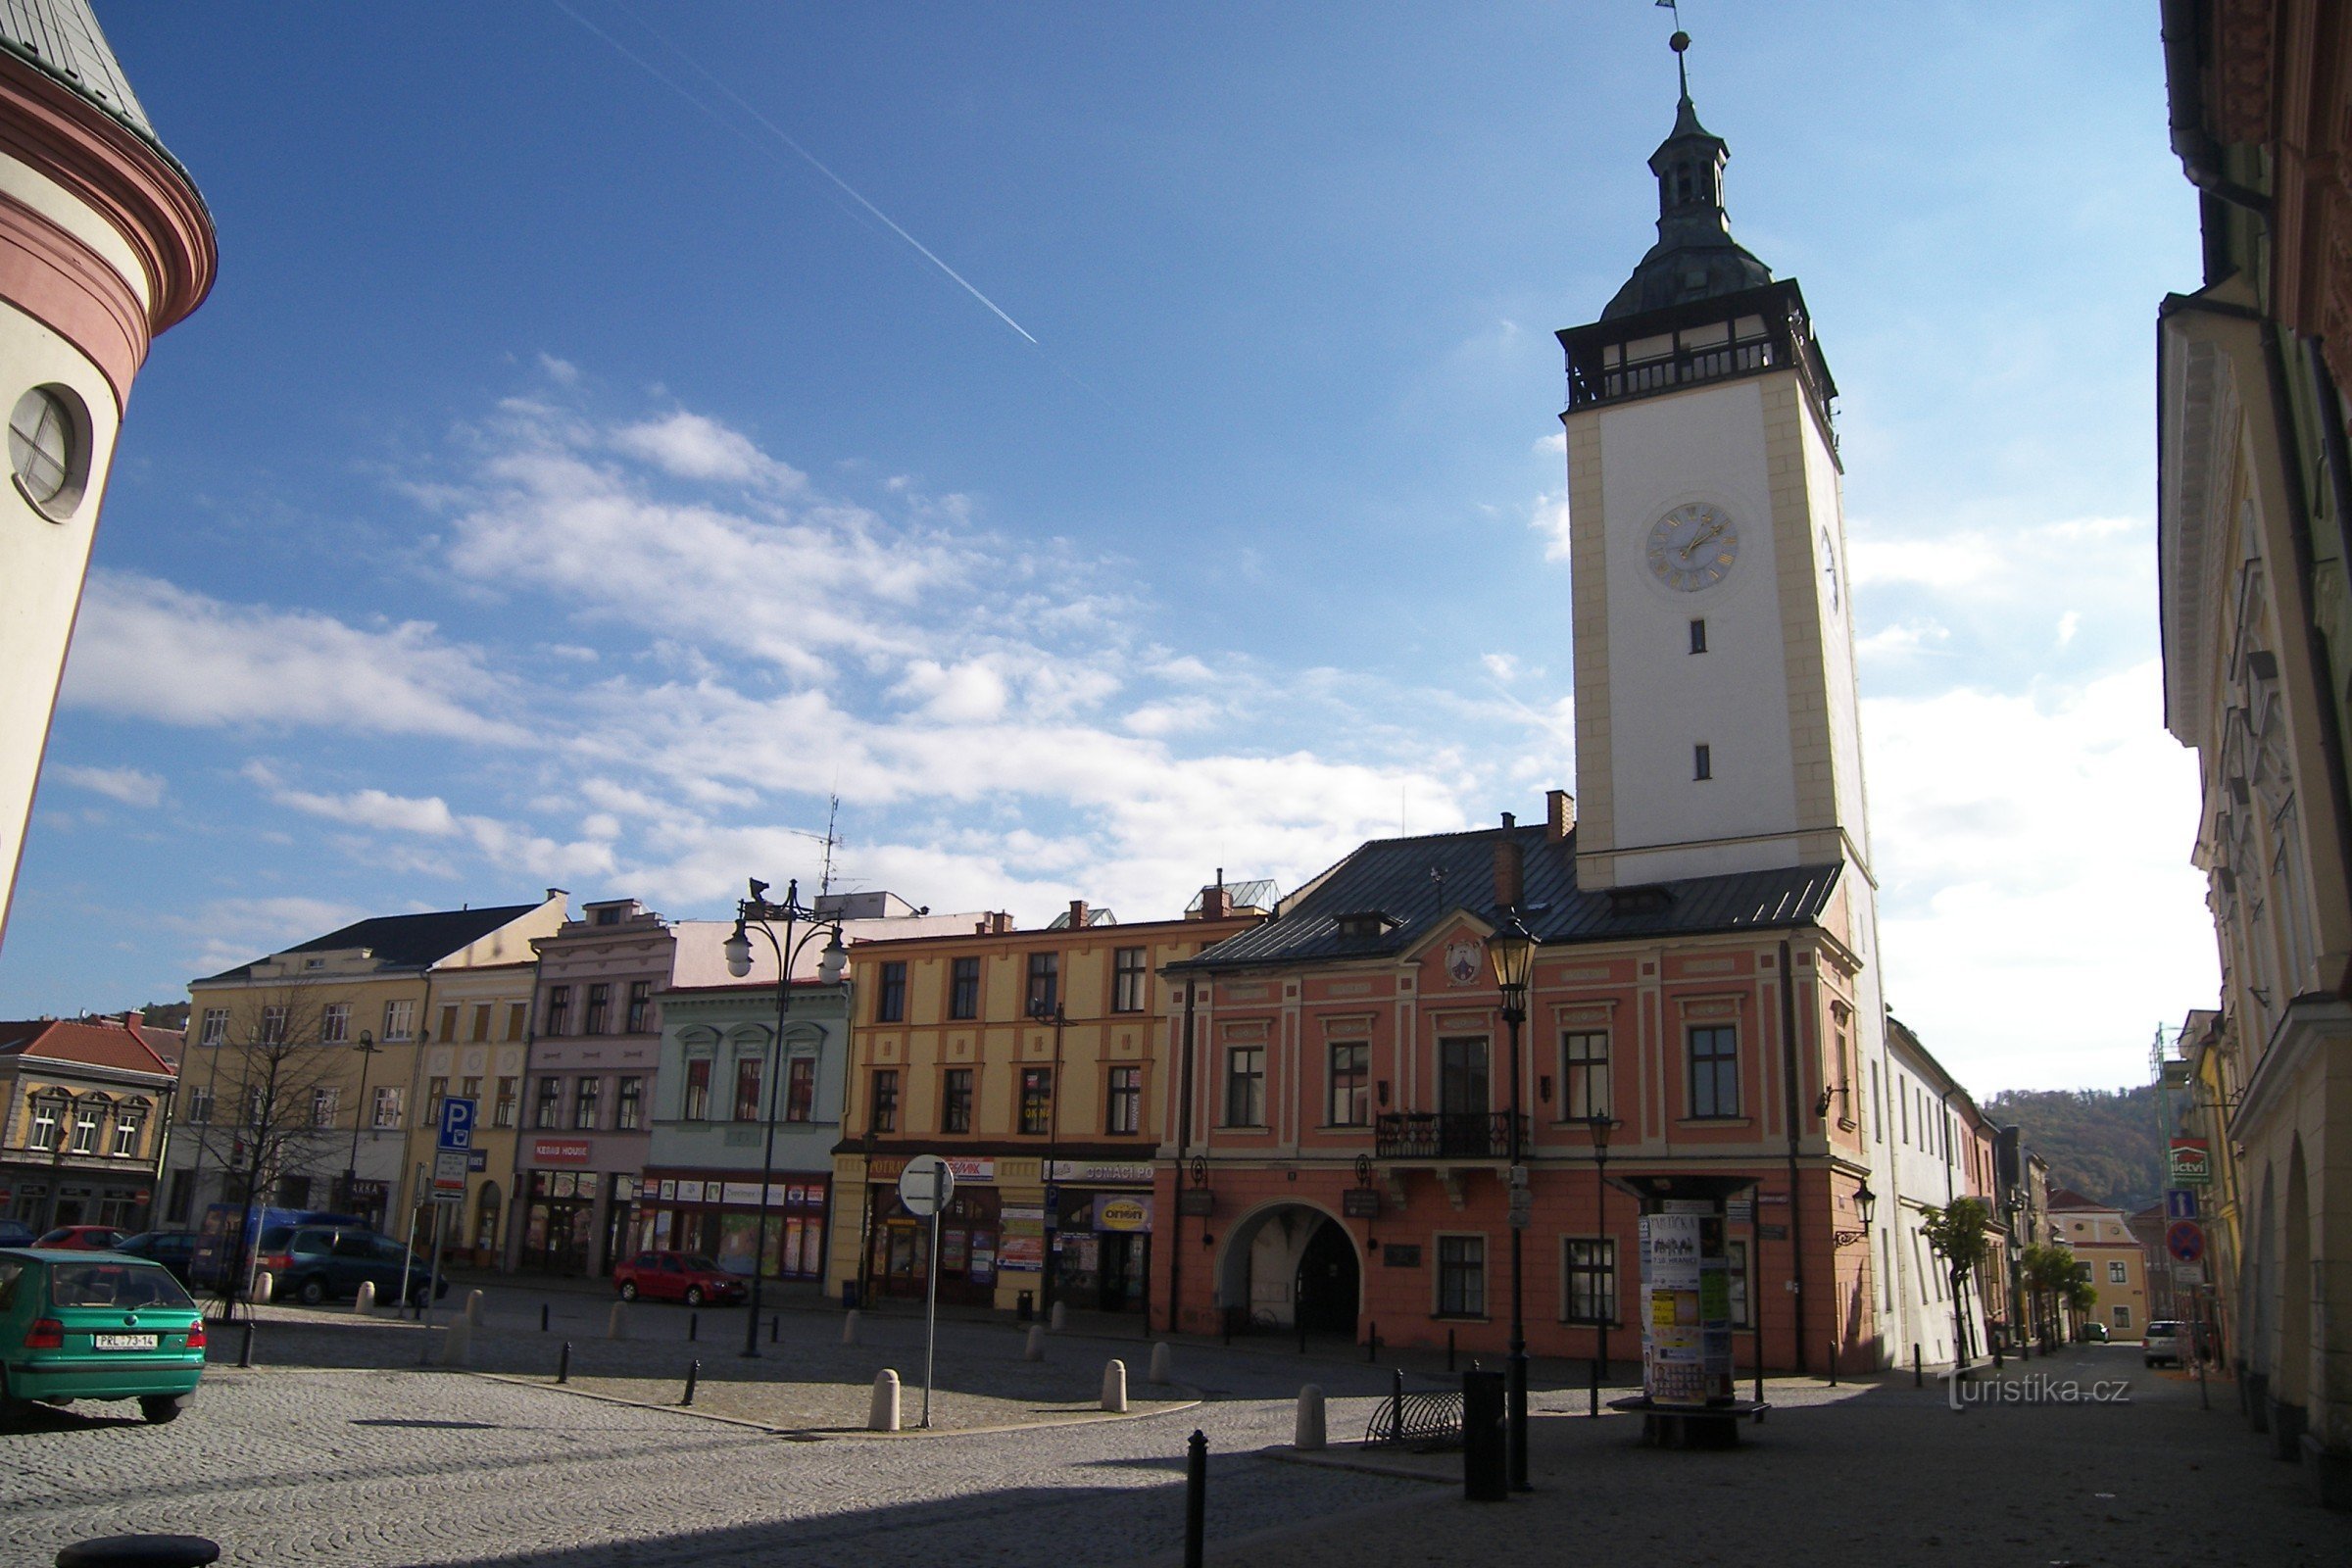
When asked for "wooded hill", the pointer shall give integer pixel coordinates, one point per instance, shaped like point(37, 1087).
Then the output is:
point(2103, 1145)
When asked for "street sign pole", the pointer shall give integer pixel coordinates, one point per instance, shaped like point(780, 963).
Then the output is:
point(939, 1200)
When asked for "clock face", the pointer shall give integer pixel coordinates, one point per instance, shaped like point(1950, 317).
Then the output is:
point(1829, 568)
point(1694, 547)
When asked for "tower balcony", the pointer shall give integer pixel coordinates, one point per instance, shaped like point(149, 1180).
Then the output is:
point(1751, 332)
point(1417, 1135)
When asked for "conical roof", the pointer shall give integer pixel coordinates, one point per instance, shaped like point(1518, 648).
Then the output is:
point(62, 40)
point(1695, 256)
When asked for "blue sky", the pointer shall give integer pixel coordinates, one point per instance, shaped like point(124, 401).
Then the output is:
point(569, 483)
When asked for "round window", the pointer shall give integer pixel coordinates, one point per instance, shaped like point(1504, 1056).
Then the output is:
point(47, 450)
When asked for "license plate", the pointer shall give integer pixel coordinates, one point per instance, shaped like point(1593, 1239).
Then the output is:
point(123, 1342)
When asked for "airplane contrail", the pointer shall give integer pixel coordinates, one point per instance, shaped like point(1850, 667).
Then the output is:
point(805, 156)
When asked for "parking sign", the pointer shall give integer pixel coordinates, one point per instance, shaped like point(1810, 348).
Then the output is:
point(457, 1124)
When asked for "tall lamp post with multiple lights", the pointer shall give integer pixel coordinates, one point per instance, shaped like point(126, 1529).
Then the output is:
point(756, 914)
point(1512, 951)
point(1601, 1124)
point(1042, 1012)
point(366, 1048)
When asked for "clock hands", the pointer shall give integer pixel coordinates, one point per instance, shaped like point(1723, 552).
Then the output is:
point(1713, 529)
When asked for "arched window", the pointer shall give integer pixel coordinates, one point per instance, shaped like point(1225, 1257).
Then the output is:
point(130, 1118)
point(485, 1217)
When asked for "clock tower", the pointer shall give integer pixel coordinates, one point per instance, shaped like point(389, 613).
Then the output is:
point(1716, 728)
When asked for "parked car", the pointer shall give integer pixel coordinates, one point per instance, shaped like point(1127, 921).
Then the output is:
point(2162, 1341)
point(77, 1325)
point(2096, 1331)
point(174, 1249)
point(81, 1239)
point(677, 1277)
point(314, 1263)
point(14, 1233)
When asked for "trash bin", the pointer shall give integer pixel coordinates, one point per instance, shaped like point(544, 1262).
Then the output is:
point(848, 1296)
point(1486, 1466)
point(1025, 1307)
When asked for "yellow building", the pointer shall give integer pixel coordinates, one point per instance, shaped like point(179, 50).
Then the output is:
point(304, 1069)
point(473, 1048)
point(84, 1106)
point(2111, 1257)
point(1035, 1060)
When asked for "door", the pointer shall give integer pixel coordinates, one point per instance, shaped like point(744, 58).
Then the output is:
point(1462, 1103)
point(1328, 1281)
point(1114, 1270)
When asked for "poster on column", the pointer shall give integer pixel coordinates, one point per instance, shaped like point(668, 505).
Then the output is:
point(1673, 1361)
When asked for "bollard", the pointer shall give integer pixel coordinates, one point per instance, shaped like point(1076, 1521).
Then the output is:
point(882, 1415)
point(1449, 1350)
point(245, 1354)
point(457, 1345)
point(473, 1307)
point(363, 1303)
point(140, 1552)
point(848, 1327)
point(1595, 1412)
point(694, 1327)
point(1917, 1381)
point(1033, 1349)
point(1229, 1325)
point(1114, 1386)
point(1759, 1382)
point(616, 1327)
point(1163, 1370)
point(1061, 1318)
point(1833, 1363)
point(1372, 1343)
point(694, 1375)
point(1195, 1499)
point(563, 1364)
point(1307, 1431)
point(1486, 1467)
point(264, 1286)
point(543, 1317)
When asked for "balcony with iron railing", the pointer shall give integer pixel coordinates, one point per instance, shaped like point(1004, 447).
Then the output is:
point(1445, 1135)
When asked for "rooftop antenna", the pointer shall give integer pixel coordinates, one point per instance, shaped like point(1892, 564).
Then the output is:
point(829, 839)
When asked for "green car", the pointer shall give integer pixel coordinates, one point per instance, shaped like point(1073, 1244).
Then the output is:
point(96, 1326)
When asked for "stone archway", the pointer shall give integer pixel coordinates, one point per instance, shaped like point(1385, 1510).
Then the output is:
point(1259, 1268)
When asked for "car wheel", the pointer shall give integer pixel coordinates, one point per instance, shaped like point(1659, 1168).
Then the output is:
point(310, 1291)
point(694, 1296)
point(628, 1290)
point(160, 1408)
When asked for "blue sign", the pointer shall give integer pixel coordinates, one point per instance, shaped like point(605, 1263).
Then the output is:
point(2180, 1203)
point(457, 1124)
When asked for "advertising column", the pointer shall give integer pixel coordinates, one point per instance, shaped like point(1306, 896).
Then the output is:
point(1687, 1315)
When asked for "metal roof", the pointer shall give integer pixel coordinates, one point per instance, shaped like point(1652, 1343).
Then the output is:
point(1419, 883)
point(405, 940)
point(1695, 256)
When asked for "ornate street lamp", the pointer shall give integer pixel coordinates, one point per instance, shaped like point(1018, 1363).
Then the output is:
point(1601, 1124)
point(1042, 1014)
point(754, 914)
point(1512, 952)
point(366, 1048)
point(1866, 1205)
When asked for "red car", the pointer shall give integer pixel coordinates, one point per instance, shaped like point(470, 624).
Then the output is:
point(83, 1239)
point(677, 1277)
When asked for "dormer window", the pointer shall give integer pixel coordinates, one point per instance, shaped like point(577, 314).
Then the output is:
point(1364, 924)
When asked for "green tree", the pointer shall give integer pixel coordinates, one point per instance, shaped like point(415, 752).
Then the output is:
point(1959, 1234)
point(2050, 1274)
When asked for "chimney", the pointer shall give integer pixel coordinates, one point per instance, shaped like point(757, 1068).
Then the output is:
point(1215, 903)
point(1510, 872)
point(1560, 815)
point(999, 923)
point(1078, 915)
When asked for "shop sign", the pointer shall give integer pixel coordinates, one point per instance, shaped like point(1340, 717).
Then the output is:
point(967, 1167)
point(1360, 1203)
point(2192, 1162)
point(1197, 1202)
point(1026, 1216)
point(558, 1151)
point(477, 1160)
point(1122, 1212)
point(1098, 1173)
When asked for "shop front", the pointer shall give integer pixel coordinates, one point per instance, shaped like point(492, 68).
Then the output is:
point(573, 1221)
point(1103, 1235)
point(971, 1235)
point(709, 1216)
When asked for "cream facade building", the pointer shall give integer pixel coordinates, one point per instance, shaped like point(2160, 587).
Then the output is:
point(104, 242)
point(473, 1048)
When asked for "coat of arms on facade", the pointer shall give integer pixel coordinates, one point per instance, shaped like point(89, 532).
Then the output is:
point(1461, 962)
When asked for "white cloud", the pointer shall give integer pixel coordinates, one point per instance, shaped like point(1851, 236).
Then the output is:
point(1548, 516)
point(430, 816)
point(1503, 668)
point(146, 649)
point(2068, 624)
point(1556, 443)
point(230, 931)
point(693, 447)
point(130, 785)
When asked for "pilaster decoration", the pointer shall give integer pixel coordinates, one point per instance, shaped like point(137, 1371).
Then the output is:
point(2241, 70)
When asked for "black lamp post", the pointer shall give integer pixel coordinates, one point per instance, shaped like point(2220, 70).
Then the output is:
point(1512, 951)
point(1866, 1205)
point(1601, 1124)
point(366, 1048)
point(754, 914)
point(1043, 1013)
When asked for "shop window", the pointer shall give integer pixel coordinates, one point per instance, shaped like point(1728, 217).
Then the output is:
point(1714, 1072)
point(963, 989)
point(1037, 1100)
point(955, 1101)
point(1127, 975)
point(1125, 1100)
point(1585, 1074)
point(1461, 1276)
point(1350, 1085)
point(1245, 1086)
point(1588, 1291)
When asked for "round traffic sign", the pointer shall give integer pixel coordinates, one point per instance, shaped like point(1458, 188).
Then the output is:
point(925, 1185)
point(2185, 1239)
